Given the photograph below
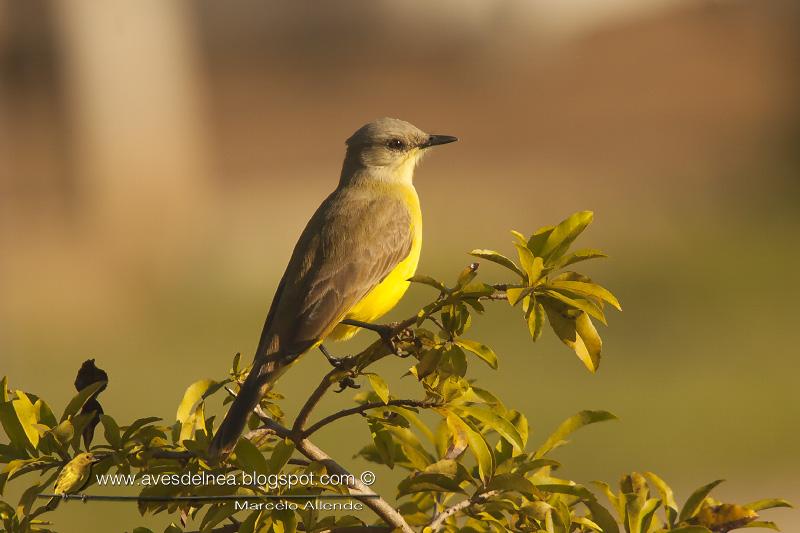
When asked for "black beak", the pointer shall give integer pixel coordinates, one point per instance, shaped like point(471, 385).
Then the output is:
point(434, 140)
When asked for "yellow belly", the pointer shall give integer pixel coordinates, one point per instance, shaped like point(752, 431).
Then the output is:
point(388, 292)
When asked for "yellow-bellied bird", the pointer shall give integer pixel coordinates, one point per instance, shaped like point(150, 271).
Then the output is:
point(352, 261)
point(74, 477)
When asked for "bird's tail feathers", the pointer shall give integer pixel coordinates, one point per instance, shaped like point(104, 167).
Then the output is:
point(264, 372)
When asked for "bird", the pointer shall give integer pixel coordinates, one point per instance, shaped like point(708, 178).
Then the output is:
point(73, 477)
point(352, 261)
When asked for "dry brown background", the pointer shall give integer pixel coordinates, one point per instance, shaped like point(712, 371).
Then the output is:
point(158, 160)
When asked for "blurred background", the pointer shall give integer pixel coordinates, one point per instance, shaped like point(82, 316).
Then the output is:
point(159, 159)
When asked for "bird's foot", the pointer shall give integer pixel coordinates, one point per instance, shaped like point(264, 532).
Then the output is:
point(84, 498)
point(385, 331)
point(347, 383)
point(335, 362)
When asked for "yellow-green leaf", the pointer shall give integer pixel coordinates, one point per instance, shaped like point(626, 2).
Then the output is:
point(280, 456)
point(249, 458)
point(769, 503)
point(579, 334)
point(500, 259)
point(493, 421)
point(379, 386)
point(481, 350)
point(515, 294)
point(589, 289)
point(477, 446)
point(194, 393)
point(81, 398)
point(571, 425)
point(111, 431)
point(695, 500)
point(577, 256)
point(564, 234)
point(535, 318)
point(586, 306)
point(26, 414)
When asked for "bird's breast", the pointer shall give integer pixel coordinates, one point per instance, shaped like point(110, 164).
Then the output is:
point(384, 296)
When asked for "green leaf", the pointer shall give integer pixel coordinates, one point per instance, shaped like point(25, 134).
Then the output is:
point(428, 482)
point(535, 318)
point(764, 524)
point(531, 264)
point(559, 240)
point(691, 529)
point(477, 446)
point(579, 334)
point(602, 517)
point(667, 496)
point(694, 501)
point(644, 516)
point(589, 289)
point(384, 443)
point(4, 389)
point(248, 524)
point(81, 398)
point(280, 456)
point(578, 256)
point(587, 306)
point(519, 237)
point(194, 393)
point(379, 386)
point(493, 421)
point(11, 424)
point(571, 425)
point(141, 422)
point(427, 280)
point(26, 414)
point(411, 446)
point(111, 431)
point(512, 482)
point(44, 414)
point(500, 259)
point(249, 458)
point(769, 503)
point(563, 488)
point(284, 521)
point(515, 294)
point(481, 350)
point(537, 240)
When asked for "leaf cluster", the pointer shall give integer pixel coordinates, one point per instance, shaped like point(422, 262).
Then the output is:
point(466, 458)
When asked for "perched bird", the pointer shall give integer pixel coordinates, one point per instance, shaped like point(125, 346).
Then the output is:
point(74, 477)
point(352, 261)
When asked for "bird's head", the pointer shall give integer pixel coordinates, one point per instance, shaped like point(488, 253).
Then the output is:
point(389, 149)
point(86, 458)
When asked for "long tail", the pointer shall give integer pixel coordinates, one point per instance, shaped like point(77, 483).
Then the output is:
point(250, 394)
point(265, 371)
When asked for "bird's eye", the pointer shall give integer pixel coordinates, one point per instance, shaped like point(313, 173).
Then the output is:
point(396, 144)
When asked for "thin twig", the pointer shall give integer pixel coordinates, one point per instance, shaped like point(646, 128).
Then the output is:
point(439, 521)
point(366, 407)
point(359, 490)
point(313, 400)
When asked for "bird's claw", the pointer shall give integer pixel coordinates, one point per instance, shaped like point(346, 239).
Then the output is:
point(347, 383)
point(335, 362)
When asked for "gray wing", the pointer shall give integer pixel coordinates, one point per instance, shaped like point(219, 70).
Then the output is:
point(353, 241)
